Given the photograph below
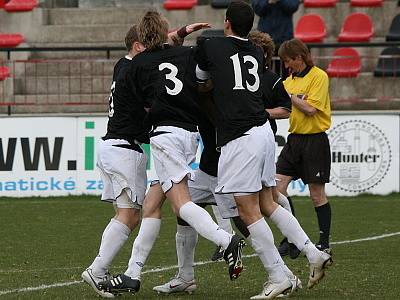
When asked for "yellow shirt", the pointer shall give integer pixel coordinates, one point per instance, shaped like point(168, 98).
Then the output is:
point(315, 85)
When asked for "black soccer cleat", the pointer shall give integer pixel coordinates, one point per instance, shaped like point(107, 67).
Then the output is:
point(294, 252)
point(283, 248)
point(233, 256)
point(120, 284)
point(218, 254)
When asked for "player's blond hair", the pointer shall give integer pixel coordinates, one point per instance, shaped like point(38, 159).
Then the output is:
point(265, 42)
point(293, 48)
point(153, 30)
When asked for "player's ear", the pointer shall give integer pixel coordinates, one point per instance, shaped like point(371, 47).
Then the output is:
point(138, 47)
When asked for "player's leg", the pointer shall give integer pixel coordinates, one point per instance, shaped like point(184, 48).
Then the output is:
point(119, 177)
point(174, 149)
point(226, 225)
point(323, 211)
point(186, 240)
point(148, 233)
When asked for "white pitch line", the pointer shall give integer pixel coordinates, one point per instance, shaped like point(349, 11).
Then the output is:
point(199, 263)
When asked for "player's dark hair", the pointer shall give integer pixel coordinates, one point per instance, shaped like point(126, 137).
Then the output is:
point(293, 48)
point(241, 16)
point(265, 42)
point(131, 37)
point(153, 30)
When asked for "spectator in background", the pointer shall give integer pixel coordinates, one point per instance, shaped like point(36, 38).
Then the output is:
point(276, 19)
point(307, 154)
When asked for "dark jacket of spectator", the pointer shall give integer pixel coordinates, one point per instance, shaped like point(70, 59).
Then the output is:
point(276, 18)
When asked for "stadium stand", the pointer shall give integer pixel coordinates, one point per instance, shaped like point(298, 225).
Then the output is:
point(346, 63)
point(8, 40)
point(20, 5)
point(394, 30)
point(320, 3)
point(357, 27)
point(4, 73)
point(310, 28)
point(78, 79)
point(388, 63)
point(366, 3)
point(220, 3)
point(179, 4)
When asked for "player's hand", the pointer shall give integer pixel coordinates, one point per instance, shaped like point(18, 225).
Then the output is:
point(196, 26)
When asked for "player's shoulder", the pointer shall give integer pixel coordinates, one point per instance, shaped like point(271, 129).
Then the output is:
point(122, 66)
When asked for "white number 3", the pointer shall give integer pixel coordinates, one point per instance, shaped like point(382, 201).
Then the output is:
point(178, 85)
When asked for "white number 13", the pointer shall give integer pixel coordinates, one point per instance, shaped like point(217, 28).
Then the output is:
point(238, 73)
point(178, 85)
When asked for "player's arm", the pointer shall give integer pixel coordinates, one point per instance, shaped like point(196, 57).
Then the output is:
point(278, 113)
point(176, 38)
point(280, 103)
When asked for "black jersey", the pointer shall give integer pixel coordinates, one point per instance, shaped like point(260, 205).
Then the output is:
point(235, 66)
point(210, 156)
point(274, 93)
point(126, 112)
point(165, 79)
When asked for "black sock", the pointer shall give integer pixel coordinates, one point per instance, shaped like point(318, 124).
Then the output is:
point(324, 222)
point(241, 226)
point(291, 205)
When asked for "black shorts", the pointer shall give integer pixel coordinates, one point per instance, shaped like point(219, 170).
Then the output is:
point(306, 156)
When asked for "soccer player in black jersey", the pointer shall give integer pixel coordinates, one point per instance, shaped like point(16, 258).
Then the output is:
point(164, 78)
point(122, 165)
point(246, 166)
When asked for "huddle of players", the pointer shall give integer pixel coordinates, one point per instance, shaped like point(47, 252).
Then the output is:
point(161, 91)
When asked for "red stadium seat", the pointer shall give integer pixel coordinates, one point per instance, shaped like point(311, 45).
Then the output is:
point(10, 40)
point(179, 4)
point(310, 28)
point(2, 2)
point(20, 5)
point(357, 27)
point(320, 3)
point(4, 73)
point(346, 63)
point(364, 3)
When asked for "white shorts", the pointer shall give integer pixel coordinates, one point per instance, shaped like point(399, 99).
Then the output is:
point(122, 168)
point(173, 150)
point(248, 162)
point(202, 190)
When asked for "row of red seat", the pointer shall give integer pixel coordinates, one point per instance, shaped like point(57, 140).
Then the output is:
point(332, 3)
point(357, 27)
point(189, 4)
point(18, 5)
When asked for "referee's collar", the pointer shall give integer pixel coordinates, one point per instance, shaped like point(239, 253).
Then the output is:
point(302, 73)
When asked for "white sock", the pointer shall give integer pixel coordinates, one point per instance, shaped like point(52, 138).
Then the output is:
point(202, 222)
point(284, 202)
point(225, 224)
point(262, 242)
point(290, 227)
point(186, 240)
point(148, 233)
point(114, 237)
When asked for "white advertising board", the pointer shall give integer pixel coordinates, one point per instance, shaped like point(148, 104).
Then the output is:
point(54, 156)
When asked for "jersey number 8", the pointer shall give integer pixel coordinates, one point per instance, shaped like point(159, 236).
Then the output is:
point(178, 85)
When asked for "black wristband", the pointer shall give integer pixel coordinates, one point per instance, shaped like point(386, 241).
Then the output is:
point(182, 33)
point(268, 115)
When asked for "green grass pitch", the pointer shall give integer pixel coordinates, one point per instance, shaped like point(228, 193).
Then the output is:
point(45, 242)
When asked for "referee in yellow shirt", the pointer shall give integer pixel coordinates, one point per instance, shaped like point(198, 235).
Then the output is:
point(307, 154)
